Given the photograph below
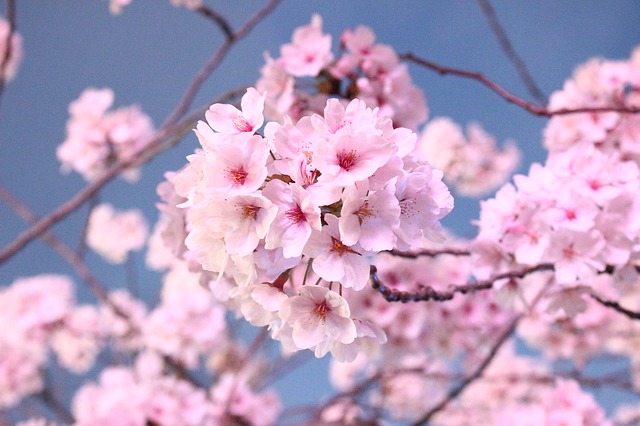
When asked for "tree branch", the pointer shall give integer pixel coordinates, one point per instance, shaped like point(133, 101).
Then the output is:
point(616, 306)
point(68, 254)
point(429, 293)
point(215, 61)
point(222, 23)
point(456, 391)
point(511, 53)
point(508, 96)
point(428, 253)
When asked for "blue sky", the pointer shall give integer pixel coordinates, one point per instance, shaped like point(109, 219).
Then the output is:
point(149, 54)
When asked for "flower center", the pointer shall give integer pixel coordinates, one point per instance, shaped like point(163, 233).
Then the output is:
point(321, 310)
point(363, 212)
point(242, 124)
point(296, 215)
point(250, 211)
point(346, 160)
point(339, 248)
point(237, 176)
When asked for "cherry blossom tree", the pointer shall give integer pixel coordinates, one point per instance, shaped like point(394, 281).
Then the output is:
point(308, 222)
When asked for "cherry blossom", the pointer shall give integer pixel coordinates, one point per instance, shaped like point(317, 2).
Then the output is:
point(317, 315)
point(309, 51)
point(97, 138)
point(113, 234)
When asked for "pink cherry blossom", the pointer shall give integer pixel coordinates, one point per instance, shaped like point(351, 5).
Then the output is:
point(316, 315)
point(237, 167)
point(333, 260)
point(309, 51)
point(113, 234)
point(295, 219)
point(226, 119)
point(369, 218)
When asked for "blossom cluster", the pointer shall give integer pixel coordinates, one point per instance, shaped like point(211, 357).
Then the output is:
point(473, 165)
point(519, 391)
point(37, 314)
point(598, 83)
point(366, 70)
point(145, 394)
point(186, 327)
point(579, 211)
point(113, 234)
point(98, 138)
point(324, 193)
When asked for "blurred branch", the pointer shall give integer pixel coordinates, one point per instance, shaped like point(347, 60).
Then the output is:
point(616, 306)
point(429, 293)
point(508, 96)
point(81, 269)
point(222, 23)
point(56, 406)
point(511, 53)
point(164, 140)
point(215, 61)
point(81, 247)
point(66, 252)
point(428, 253)
point(456, 391)
point(4, 61)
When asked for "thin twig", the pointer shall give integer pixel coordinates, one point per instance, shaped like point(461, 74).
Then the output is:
point(215, 61)
point(453, 393)
point(66, 252)
point(616, 306)
point(426, 293)
point(222, 23)
point(428, 253)
point(508, 96)
point(511, 53)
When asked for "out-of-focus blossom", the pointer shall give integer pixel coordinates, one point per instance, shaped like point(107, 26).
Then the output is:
point(98, 138)
point(113, 234)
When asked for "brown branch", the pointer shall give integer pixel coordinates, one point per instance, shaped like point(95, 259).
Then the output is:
point(83, 271)
point(616, 306)
point(50, 399)
point(215, 61)
point(428, 253)
point(456, 391)
point(68, 254)
point(508, 96)
point(4, 61)
point(163, 140)
point(429, 293)
point(510, 52)
point(222, 23)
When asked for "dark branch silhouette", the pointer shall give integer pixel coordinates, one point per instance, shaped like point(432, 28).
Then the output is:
point(508, 96)
point(426, 293)
point(511, 53)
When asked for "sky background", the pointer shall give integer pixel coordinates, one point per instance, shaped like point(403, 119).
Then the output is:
point(149, 54)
